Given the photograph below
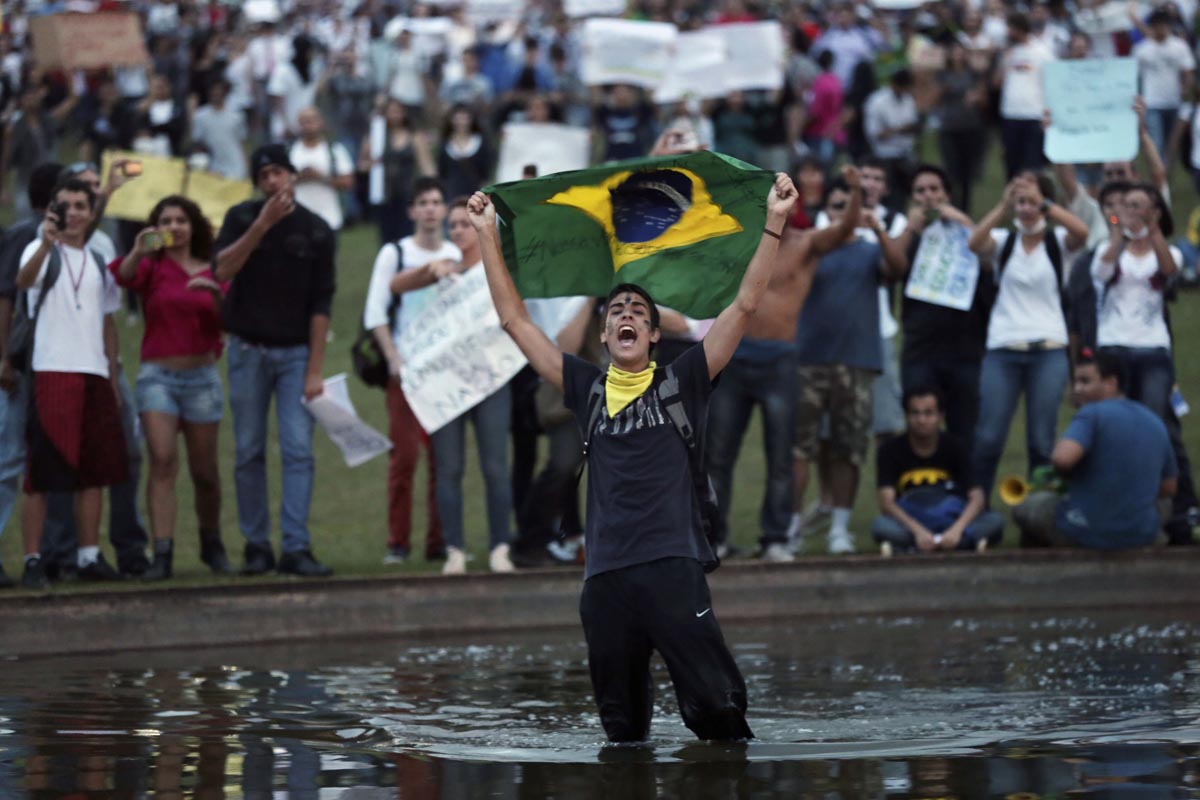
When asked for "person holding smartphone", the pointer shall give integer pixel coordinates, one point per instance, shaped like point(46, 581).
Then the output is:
point(178, 385)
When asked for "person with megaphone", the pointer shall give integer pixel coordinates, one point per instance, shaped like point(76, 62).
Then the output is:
point(927, 498)
point(1118, 457)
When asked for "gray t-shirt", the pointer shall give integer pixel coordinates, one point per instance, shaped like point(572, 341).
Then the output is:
point(222, 132)
point(840, 320)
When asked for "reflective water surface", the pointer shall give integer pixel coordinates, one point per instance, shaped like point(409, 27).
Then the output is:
point(1103, 705)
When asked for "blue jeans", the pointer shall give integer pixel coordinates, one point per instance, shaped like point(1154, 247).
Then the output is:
point(988, 525)
point(1159, 124)
point(490, 419)
point(255, 373)
point(958, 382)
point(1150, 374)
point(13, 412)
point(1007, 374)
point(745, 384)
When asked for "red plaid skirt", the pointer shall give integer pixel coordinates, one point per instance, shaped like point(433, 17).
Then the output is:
point(74, 434)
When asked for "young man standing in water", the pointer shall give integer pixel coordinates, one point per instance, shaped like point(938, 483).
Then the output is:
point(644, 585)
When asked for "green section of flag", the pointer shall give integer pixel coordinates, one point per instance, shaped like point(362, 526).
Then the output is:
point(570, 233)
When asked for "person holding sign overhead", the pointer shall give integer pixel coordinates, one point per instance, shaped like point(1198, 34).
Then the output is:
point(644, 586)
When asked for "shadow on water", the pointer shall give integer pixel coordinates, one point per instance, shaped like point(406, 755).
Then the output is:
point(1106, 705)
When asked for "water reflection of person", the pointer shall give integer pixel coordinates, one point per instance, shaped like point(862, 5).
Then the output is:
point(644, 588)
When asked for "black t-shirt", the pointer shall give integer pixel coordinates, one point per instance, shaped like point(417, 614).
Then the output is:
point(933, 332)
point(288, 279)
point(897, 466)
point(626, 130)
point(640, 502)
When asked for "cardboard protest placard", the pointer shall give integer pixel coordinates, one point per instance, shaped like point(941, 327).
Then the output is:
point(626, 51)
point(945, 271)
point(455, 353)
point(166, 176)
point(88, 41)
point(1107, 18)
point(696, 69)
point(550, 146)
point(756, 55)
point(1091, 110)
point(593, 8)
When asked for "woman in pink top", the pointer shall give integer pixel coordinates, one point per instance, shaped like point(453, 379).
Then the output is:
point(178, 385)
point(823, 132)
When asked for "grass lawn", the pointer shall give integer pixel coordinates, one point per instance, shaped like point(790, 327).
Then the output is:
point(348, 520)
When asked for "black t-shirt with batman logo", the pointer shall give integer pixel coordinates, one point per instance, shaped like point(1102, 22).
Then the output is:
point(948, 468)
point(640, 503)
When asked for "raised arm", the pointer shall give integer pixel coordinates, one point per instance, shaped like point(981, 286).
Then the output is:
point(543, 354)
point(826, 239)
point(726, 332)
point(1158, 170)
point(981, 242)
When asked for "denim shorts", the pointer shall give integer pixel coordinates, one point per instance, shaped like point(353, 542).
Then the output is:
point(192, 395)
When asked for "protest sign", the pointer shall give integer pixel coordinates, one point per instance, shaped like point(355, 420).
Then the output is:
point(166, 176)
point(549, 146)
point(723, 58)
point(593, 8)
point(480, 11)
point(626, 51)
point(1091, 110)
point(334, 412)
point(88, 41)
point(1107, 18)
point(696, 69)
point(455, 353)
point(897, 5)
point(944, 271)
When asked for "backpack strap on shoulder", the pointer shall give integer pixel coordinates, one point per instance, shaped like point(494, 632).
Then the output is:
point(53, 269)
point(1006, 251)
point(672, 401)
point(595, 406)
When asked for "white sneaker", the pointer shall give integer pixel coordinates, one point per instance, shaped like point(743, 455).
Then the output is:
point(456, 562)
point(499, 560)
point(840, 543)
point(777, 554)
point(885, 549)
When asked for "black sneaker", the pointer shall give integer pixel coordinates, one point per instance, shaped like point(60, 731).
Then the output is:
point(99, 570)
point(5, 581)
point(34, 576)
point(259, 560)
point(134, 565)
point(303, 564)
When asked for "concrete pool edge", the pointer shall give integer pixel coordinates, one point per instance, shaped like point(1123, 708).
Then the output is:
point(231, 614)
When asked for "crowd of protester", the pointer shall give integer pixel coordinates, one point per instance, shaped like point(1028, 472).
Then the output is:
point(346, 113)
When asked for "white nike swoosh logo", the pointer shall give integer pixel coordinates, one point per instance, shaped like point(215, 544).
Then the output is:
point(702, 613)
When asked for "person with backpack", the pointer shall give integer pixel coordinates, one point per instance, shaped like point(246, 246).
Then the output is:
point(1027, 328)
point(324, 169)
point(74, 437)
point(1134, 271)
point(402, 274)
point(643, 431)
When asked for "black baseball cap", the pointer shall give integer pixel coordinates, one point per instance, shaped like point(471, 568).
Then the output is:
point(275, 154)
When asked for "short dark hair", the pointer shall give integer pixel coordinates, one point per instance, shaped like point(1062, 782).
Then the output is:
point(1158, 17)
point(1112, 187)
point(42, 181)
point(1044, 184)
point(825, 59)
point(75, 185)
point(201, 245)
point(901, 79)
point(424, 184)
point(1108, 364)
point(922, 391)
point(838, 184)
point(622, 288)
point(873, 162)
point(458, 202)
point(929, 169)
point(1019, 21)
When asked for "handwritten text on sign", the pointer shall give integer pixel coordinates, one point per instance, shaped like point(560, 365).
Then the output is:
point(945, 270)
point(455, 353)
point(1091, 110)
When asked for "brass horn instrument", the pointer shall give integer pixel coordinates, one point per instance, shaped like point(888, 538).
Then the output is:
point(1013, 490)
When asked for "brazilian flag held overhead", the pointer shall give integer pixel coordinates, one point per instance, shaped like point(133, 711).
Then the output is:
point(684, 227)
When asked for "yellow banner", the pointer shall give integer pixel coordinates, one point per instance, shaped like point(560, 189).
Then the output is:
point(167, 176)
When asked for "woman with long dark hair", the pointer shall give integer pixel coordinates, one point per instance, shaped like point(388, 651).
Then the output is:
point(465, 159)
point(393, 154)
point(178, 386)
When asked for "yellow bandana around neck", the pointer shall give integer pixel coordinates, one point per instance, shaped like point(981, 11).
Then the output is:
point(621, 388)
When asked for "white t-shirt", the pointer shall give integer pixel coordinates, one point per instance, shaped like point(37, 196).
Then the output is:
point(1159, 65)
point(1029, 305)
point(1021, 93)
point(70, 328)
point(286, 83)
point(1131, 310)
point(885, 111)
point(379, 296)
point(321, 198)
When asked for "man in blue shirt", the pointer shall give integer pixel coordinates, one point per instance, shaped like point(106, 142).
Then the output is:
point(1118, 459)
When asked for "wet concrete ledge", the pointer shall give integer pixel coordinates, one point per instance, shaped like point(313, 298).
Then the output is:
point(427, 605)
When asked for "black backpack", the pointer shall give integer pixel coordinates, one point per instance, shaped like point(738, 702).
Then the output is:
point(990, 290)
point(370, 364)
point(668, 394)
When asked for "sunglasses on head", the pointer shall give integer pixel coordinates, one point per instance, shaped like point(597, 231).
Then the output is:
point(80, 167)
